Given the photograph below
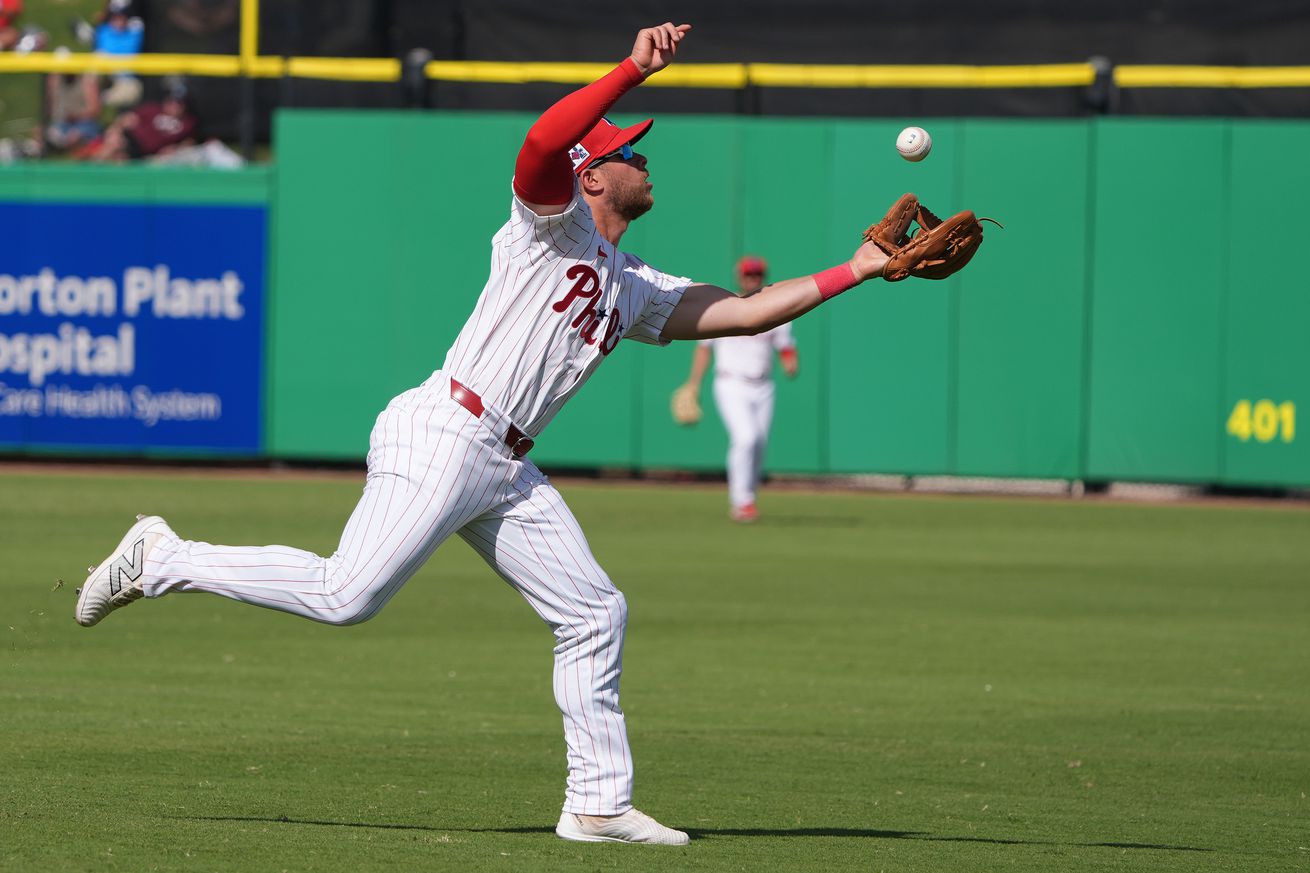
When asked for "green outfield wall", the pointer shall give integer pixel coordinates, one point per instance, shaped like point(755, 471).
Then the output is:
point(1142, 316)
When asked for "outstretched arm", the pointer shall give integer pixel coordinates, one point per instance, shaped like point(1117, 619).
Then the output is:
point(709, 311)
point(543, 173)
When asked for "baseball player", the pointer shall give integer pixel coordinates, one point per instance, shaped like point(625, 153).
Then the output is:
point(743, 391)
point(450, 456)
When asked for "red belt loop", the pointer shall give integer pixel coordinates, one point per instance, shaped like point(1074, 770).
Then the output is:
point(466, 398)
point(519, 443)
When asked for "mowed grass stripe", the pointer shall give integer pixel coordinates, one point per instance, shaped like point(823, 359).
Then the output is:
point(858, 682)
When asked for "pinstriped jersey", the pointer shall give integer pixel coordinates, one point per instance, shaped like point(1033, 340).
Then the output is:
point(557, 302)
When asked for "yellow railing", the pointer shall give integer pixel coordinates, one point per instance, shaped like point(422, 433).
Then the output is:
point(726, 76)
point(1211, 77)
point(935, 76)
point(146, 65)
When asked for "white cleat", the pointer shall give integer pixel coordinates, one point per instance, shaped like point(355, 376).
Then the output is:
point(634, 826)
point(117, 581)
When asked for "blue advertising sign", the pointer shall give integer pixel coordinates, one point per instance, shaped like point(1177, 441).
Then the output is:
point(131, 327)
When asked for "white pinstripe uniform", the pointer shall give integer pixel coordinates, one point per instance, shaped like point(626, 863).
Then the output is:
point(558, 300)
point(743, 392)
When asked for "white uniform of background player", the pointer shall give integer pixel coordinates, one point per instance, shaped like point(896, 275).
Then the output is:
point(743, 392)
point(447, 457)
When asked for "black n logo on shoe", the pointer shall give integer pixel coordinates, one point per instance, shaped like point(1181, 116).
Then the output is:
point(130, 567)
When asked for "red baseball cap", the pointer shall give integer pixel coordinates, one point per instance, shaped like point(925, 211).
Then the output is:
point(604, 138)
point(752, 264)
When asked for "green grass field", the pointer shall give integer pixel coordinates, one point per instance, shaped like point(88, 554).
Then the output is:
point(857, 683)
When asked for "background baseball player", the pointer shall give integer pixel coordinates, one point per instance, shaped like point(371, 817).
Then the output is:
point(743, 391)
point(448, 457)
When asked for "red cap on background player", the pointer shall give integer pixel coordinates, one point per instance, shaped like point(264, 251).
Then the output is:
point(604, 138)
point(752, 265)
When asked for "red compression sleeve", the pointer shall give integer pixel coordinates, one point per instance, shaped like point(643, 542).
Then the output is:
point(543, 173)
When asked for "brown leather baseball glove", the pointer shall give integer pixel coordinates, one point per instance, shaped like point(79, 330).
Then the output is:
point(936, 250)
point(685, 404)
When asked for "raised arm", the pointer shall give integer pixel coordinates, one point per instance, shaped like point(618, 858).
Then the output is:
point(709, 311)
point(543, 173)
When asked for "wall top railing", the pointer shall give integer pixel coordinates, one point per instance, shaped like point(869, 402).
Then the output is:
point(723, 76)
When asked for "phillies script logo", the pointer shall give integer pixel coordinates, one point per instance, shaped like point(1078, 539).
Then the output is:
point(586, 287)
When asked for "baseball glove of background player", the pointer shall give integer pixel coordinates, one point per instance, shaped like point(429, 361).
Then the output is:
point(685, 404)
point(936, 250)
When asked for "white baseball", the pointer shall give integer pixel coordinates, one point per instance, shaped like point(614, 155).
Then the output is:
point(914, 143)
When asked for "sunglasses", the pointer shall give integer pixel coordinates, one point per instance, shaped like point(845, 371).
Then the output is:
point(624, 152)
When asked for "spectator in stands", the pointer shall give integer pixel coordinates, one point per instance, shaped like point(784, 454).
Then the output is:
point(86, 31)
point(148, 130)
point(9, 32)
point(120, 33)
point(210, 153)
point(72, 111)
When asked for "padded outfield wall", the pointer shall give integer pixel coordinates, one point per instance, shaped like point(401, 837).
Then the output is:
point(1140, 317)
point(1137, 318)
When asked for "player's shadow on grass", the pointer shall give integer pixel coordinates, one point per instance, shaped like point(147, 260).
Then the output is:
point(702, 833)
point(922, 835)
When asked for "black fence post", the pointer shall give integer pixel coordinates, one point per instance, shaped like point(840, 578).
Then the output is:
point(1102, 96)
point(414, 78)
point(246, 119)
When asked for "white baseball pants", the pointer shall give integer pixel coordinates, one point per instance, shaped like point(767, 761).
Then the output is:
point(435, 469)
point(746, 408)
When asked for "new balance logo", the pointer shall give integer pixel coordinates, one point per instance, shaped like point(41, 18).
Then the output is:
point(122, 566)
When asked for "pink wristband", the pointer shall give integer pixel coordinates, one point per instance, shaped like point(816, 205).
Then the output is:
point(835, 280)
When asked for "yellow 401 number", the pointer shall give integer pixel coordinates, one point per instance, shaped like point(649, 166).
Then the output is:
point(1264, 420)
